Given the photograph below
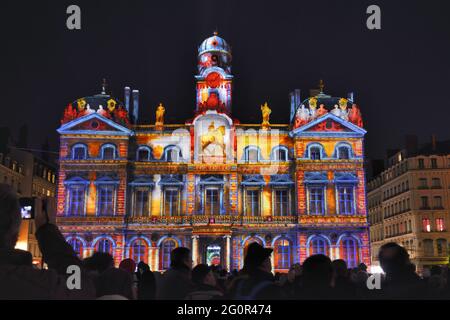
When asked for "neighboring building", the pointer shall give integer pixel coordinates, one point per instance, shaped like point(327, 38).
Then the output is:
point(213, 184)
point(29, 176)
point(409, 204)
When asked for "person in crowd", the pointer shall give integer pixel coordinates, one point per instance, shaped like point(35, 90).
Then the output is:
point(18, 278)
point(146, 286)
point(205, 284)
point(341, 283)
point(317, 274)
point(401, 281)
point(256, 280)
point(115, 284)
point(98, 262)
point(176, 282)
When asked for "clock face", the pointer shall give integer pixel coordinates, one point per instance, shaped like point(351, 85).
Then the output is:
point(213, 80)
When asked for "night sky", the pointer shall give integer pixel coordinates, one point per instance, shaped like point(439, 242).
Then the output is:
point(400, 74)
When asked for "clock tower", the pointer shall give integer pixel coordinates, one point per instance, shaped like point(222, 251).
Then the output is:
point(214, 79)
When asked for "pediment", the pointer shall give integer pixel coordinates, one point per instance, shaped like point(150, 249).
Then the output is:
point(329, 124)
point(94, 123)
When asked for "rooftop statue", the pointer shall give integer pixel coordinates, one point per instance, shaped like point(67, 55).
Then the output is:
point(354, 116)
point(265, 110)
point(111, 105)
point(343, 108)
point(336, 111)
point(160, 110)
point(302, 116)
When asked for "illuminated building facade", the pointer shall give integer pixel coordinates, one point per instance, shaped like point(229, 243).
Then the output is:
point(409, 204)
point(213, 184)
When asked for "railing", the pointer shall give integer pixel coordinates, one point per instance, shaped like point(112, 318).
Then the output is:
point(218, 219)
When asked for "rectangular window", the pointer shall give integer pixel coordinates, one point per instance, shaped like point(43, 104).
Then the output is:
point(281, 202)
point(423, 183)
point(437, 202)
point(171, 202)
point(76, 200)
point(252, 202)
point(141, 201)
point(440, 224)
point(426, 225)
point(105, 205)
point(424, 202)
point(436, 183)
point(421, 164)
point(212, 205)
point(316, 200)
point(345, 198)
point(434, 163)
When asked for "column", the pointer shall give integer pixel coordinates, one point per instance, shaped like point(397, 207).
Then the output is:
point(153, 260)
point(228, 252)
point(272, 261)
point(194, 250)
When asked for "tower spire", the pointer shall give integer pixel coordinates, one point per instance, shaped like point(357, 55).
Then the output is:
point(104, 85)
point(321, 85)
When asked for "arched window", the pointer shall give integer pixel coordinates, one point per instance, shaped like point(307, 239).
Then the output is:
point(77, 246)
point(318, 245)
point(252, 154)
point(79, 152)
point(283, 254)
point(315, 152)
point(108, 151)
point(343, 153)
point(250, 241)
point(143, 154)
point(279, 153)
point(172, 154)
point(104, 245)
point(167, 247)
point(349, 251)
point(139, 251)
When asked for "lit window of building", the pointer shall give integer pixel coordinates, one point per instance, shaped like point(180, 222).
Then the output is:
point(440, 226)
point(104, 245)
point(252, 202)
point(167, 247)
point(171, 202)
point(316, 201)
point(281, 197)
point(106, 197)
point(283, 254)
point(426, 225)
point(346, 200)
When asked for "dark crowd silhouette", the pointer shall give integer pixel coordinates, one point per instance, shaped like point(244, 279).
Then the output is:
point(318, 278)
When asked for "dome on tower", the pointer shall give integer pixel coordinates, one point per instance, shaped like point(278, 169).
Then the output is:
point(214, 44)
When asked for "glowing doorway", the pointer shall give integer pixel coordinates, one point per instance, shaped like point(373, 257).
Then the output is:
point(213, 255)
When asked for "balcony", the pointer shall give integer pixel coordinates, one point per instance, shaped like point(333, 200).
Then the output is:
point(217, 219)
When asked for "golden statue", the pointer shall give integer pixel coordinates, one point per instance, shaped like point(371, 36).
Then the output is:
point(312, 103)
point(81, 105)
point(214, 136)
point(160, 110)
point(265, 110)
point(111, 104)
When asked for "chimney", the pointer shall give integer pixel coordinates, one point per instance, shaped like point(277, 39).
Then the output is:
point(433, 142)
point(127, 98)
point(292, 102)
point(411, 144)
point(135, 95)
point(297, 97)
point(351, 96)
